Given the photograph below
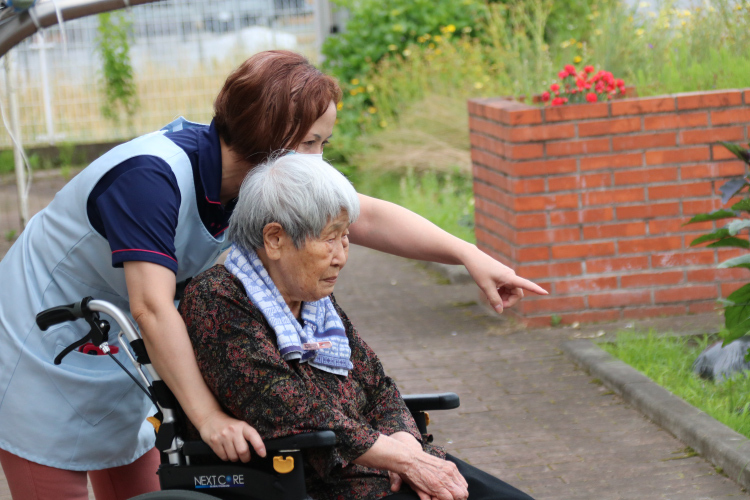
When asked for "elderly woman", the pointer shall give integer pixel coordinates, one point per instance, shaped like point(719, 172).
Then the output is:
point(277, 351)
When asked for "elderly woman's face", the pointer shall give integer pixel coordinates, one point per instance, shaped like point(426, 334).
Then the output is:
point(310, 272)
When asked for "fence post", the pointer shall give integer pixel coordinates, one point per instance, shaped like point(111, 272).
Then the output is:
point(11, 83)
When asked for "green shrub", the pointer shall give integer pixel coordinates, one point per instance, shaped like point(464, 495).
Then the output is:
point(120, 92)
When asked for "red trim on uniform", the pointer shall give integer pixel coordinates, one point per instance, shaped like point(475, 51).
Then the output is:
point(141, 250)
point(217, 234)
point(214, 202)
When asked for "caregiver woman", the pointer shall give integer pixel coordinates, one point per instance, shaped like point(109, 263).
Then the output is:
point(142, 218)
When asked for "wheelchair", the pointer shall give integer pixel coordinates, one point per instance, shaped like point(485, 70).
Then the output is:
point(189, 470)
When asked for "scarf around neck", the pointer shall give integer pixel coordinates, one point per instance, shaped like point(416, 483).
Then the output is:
point(321, 342)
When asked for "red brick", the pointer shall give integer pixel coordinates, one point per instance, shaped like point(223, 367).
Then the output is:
point(714, 99)
point(568, 217)
point(728, 288)
point(524, 117)
point(683, 120)
point(611, 161)
point(591, 316)
point(698, 275)
point(492, 193)
point(552, 304)
point(531, 254)
point(729, 253)
point(527, 186)
point(644, 141)
point(490, 176)
point(719, 152)
point(548, 236)
point(683, 258)
point(616, 264)
point(652, 279)
point(528, 221)
point(569, 148)
point(621, 230)
point(490, 240)
point(652, 244)
point(646, 176)
point(703, 307)
point(746, 96)
point(542, 133)
point(712, 170)
point(680, 191)
point(524, 151)
point(609, 127)
point(576, 112)
point(619, 299)
point(682, 155)
point(648, 210)
point(585, 285)
point(577, 182)
point(686, 293)
point(667, 226)
point(496, 227)
point(612, 196)
point(642, 106)
point(583, 250)
point(651, 312)
point(730, 116)
point(694, 207)
point(710, 135)
point(543, 167)
point(555, 270)
point(548, 202)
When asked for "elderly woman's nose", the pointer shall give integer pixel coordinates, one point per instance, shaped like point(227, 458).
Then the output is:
point(340, 253)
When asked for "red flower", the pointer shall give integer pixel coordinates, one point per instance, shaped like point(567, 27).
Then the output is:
point(554, 87)
point(562, 75)
point(570, 69)
point(591, 97)
point(588, 69)
point(557, 101)
point(620, 83)
point(545, 96)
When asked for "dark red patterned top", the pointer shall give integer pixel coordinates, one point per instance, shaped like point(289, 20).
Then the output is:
point(238, 356)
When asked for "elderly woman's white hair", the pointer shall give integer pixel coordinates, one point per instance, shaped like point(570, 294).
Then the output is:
point(301, 192)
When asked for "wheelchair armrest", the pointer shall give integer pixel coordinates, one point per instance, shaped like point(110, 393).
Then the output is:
point(423, 402)
point(317, 439)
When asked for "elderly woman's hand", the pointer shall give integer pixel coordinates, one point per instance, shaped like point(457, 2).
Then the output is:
point(434, 478)
point(499, 283)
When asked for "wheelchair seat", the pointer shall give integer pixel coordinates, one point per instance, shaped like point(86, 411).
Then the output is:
point(190, 470)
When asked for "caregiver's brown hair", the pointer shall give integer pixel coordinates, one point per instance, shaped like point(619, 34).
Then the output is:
point(270, 102)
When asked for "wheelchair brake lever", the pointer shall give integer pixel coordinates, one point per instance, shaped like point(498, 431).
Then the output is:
point(75, 345)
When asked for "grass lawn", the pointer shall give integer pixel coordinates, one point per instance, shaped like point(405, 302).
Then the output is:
point(667, 361)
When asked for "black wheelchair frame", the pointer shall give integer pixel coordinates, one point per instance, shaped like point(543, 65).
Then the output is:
point(190, 469)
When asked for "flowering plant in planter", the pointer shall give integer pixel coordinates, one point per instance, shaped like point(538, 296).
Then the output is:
point(588, 85)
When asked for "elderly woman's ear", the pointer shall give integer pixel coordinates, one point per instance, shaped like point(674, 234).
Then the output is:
point(274, 239)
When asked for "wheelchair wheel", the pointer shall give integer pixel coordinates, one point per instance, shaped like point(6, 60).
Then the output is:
point(174, 495)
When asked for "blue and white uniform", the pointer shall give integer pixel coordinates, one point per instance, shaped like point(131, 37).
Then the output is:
point(154, 199)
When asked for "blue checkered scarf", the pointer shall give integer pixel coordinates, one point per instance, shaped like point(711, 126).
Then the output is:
point(323, 325)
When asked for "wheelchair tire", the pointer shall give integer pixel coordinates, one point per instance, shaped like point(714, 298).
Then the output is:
point(174, 495)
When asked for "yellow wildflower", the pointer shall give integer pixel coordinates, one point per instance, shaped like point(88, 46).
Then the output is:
point(438, 52)
point(355, 81)
point(406, 53)
point(639, 32)
point(420, 39)
point(598, 31)
point(353, 92)
point(577, 59)
point(739, 7)
point(392, 47)
point(438, 38)
point(427, 36)
point(684, 23)
point(383, 123)
point(340, 106)
point(398, 27)
point(450, 28)
point(478, 85)
point(372, 110)
point(579, 45)
point(686, 13)
point(571, 41)
point(370, 87)
point(431, 45)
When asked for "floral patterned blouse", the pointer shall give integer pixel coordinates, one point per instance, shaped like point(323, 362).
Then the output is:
point(239, 359)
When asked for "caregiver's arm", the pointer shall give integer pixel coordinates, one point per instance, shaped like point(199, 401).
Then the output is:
point(151, 289)
point(393, 229)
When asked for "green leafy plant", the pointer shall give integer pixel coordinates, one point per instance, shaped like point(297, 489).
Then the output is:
point(10, 235)
point(737, 304)
point(120, 91)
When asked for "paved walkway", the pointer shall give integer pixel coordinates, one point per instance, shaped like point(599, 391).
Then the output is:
point(527, 414)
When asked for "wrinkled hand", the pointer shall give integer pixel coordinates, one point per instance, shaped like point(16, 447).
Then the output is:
point(433, 478)
point(228, 437)
point(498, 282)
point(412, 443)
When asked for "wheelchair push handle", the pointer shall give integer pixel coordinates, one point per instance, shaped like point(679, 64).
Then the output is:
point(61, 314)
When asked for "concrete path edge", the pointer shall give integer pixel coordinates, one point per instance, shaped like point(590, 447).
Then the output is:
point(723, 447)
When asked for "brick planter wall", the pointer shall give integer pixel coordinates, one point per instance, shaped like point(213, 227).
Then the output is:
point(589, 200)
